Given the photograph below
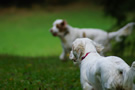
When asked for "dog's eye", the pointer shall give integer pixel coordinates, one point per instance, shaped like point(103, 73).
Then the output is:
point(62, 24)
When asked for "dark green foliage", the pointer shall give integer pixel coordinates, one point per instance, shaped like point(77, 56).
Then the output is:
point(119, 9)
point(126, 47)
point(29, 3)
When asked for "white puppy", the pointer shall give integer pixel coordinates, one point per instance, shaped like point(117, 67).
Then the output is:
point(98, 72)
point(68, 34)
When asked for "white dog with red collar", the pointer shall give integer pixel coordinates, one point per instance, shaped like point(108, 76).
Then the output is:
point(68, 34)
point(98, 72)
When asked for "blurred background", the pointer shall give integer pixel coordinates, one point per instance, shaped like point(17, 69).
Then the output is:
point(29, 53)
point(25, 24)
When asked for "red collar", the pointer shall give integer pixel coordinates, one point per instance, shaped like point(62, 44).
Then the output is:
point(85, 56)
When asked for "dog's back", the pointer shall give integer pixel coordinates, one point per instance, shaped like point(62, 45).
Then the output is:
point(116, 74)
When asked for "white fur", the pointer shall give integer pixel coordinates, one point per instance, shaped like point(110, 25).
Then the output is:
point(98, 35)
point(98, 72)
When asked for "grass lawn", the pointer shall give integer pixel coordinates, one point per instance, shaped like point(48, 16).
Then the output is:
point(26, 33)
point(37, 73)
point(29, 54)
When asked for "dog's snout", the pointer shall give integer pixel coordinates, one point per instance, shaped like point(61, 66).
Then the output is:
point(51, 30)
point(71, 56)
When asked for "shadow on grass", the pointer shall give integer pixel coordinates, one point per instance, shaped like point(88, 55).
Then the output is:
point(8, 56)
point(127, 59)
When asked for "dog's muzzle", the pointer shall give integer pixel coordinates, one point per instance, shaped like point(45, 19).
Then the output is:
point(72, 57)
point(53, 33)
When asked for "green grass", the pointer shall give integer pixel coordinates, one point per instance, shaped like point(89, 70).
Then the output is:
point(27, 33)
point(37, 73)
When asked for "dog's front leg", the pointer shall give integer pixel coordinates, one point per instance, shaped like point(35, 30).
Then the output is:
point(87, 86)
point(63, 55)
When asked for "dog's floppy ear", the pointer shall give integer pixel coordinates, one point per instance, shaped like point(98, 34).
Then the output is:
point(99, 47)
point(79, 48)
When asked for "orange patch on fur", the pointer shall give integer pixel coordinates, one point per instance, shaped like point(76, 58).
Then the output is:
point(84, 34)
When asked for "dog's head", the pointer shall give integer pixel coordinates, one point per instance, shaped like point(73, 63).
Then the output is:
point(82, 46)
point(59, 28)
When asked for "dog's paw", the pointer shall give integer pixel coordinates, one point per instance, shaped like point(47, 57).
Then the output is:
point(62, 57)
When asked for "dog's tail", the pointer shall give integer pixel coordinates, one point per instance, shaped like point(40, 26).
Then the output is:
point(124, 31)
point(129, 77)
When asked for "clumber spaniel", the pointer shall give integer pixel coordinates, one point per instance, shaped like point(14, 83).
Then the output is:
point(98, 72)
point(68, 34)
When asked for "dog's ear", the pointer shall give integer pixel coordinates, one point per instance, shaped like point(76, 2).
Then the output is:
point(99, 47)
point(79, 49)
point(63, 23)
